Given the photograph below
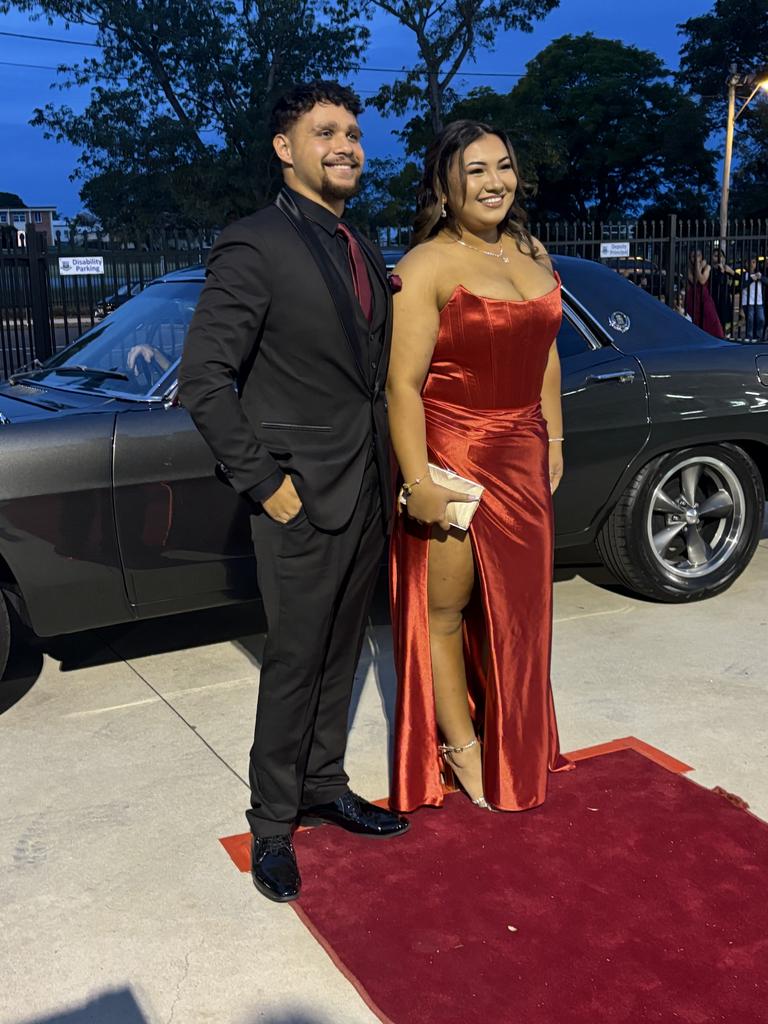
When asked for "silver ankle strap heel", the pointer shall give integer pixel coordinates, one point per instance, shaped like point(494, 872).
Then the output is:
point(446, 750)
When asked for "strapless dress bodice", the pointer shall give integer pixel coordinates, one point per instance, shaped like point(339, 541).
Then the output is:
point(492, 353)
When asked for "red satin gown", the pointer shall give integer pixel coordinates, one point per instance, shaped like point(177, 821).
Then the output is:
point(482, 403)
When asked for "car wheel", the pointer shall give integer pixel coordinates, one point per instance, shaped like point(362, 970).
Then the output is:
point(5, 634)
point(687, 525)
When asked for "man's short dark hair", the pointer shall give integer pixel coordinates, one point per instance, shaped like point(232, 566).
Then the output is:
point(302, 98)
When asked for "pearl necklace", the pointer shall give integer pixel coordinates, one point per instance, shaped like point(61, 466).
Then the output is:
point(485, 252)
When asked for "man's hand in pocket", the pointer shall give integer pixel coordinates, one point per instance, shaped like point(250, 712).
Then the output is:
point(284, 504)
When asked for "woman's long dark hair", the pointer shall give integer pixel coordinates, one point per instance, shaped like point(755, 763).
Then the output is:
point(447, 146)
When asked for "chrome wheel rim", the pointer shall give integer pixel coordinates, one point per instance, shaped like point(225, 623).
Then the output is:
point(696, 518)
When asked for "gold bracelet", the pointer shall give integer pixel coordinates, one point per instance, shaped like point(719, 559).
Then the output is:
point(552, 440)
point(407, 489)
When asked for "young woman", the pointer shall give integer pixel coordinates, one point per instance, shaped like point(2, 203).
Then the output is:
point(474, 387)
point(699, 304)
point(721, 283)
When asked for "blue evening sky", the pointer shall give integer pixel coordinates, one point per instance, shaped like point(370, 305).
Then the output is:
point(39, 169)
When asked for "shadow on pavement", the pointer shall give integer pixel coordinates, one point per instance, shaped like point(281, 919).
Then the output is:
point(243, 624)
point(130, 640)
point(119, 1007)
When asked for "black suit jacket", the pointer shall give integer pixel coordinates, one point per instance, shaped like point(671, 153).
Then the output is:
point(275, 372)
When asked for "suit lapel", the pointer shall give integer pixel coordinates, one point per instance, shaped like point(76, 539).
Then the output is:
point(339, 293)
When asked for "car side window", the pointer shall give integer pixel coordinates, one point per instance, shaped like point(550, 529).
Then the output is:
point(570, 341)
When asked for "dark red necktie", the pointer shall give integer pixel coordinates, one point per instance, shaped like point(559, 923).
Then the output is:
point(360, 279)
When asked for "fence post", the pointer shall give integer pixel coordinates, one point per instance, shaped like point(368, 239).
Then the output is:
point(671, 260)
point(38, 295)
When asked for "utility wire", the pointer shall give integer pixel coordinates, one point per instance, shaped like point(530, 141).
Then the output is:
point(48, 39)
point(14, 64)
point(353, 67)
point(459, 74)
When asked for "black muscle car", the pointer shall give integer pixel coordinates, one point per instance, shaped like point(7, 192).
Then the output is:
point(111, 509)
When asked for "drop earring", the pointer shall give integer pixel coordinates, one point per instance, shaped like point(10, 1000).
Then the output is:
point(442, 211)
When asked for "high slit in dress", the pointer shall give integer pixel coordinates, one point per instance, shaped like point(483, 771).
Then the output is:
point(482, 404)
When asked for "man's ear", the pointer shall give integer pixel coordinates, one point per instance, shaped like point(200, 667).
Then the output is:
point(282, 146)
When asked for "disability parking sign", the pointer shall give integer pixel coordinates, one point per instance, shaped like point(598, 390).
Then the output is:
point(70, 266)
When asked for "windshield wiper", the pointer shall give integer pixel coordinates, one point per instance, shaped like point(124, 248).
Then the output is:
point(91, 371)
point(70, 371)
point(24, 374)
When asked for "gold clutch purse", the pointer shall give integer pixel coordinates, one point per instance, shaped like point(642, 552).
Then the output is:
point(459, 512)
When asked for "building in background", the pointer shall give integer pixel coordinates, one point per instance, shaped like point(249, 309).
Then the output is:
point(61, 230)
point(14, 213)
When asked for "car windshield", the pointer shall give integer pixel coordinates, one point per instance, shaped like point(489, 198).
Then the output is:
point(133, 353)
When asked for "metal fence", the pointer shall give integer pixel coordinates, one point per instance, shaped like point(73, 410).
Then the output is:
point(44, 305)
point(657, 255)
point(43, 308)
point(24, 302)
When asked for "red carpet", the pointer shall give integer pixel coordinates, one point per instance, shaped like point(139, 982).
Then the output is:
point(632, 895)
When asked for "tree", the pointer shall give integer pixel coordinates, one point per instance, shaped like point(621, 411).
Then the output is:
point(176, 125)
point(600, 130)
point(749, 194)
point(388, 196)
point(733, 32)
point(448, 32)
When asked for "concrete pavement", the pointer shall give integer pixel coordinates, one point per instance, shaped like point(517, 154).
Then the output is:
point(124, 755)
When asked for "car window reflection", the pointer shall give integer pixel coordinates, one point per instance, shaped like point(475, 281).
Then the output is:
point(142, 339)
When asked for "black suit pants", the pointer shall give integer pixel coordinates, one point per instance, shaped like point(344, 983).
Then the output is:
point(316, 588)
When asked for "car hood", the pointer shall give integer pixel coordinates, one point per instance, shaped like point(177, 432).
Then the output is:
point(22, 402)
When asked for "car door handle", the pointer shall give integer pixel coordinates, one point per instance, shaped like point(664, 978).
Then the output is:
point(618, 377)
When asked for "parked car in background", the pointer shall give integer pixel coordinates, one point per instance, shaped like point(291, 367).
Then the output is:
point(393, 254)
point(111, 509)
point(641, 271)
point(111, 302)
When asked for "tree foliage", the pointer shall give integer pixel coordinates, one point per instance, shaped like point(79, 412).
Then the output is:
point(600, 131)
point(733, 32)
point(749, 193)
point(176, 126)
point(387, 197)
point(448, 33)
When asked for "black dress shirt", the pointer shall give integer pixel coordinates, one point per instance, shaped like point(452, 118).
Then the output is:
point(324, 224)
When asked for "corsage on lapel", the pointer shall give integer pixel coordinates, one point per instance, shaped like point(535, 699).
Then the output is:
point(395, 283)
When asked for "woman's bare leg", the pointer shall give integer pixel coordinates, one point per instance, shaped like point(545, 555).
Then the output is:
point(449, 588)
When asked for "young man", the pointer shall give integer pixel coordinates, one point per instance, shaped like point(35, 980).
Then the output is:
point(283, 373)
point(752, 301)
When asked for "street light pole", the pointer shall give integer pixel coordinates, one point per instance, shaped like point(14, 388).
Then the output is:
point(735, 81)
point(732, 82)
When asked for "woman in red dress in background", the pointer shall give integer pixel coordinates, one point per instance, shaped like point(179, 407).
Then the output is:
point(699, 304)
point(474, 386)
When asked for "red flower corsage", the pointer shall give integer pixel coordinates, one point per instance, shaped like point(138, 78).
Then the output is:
point(395, 283)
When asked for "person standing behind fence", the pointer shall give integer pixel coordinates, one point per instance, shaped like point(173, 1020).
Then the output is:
point(721, 286)
point(699, 304)
point(752, 301)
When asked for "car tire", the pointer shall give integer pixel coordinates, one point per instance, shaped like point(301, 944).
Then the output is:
point(5, 634)
point(688, 524)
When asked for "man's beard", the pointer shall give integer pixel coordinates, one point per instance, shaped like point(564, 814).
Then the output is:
point(330, 191)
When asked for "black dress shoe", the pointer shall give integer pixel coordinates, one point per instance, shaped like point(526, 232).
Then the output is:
point(351, 812)
point(273, 868)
